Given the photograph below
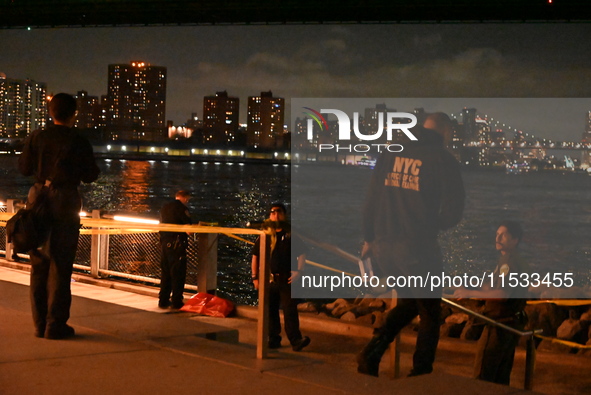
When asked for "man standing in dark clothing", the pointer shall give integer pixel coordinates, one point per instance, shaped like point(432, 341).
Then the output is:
point(412, 196)
point(283, 243)
point(496, 347)
point(173, 261)
point(59, 158)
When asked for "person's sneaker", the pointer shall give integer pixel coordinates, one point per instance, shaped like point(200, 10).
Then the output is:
point(367, 366)
point(61, 332)
point(414, 373)
point(40, 332)
point(300, 344)
point(177, 305)
point(274, 344)
point(164, 304)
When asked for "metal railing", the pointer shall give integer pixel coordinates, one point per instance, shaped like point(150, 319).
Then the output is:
point(530, 349)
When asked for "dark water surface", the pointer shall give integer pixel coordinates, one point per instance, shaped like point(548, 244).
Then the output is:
point(553, 208)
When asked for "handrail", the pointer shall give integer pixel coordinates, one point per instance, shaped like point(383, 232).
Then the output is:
point(491, 321)
point(335, 250)
point(530, 356)
point(331, 248)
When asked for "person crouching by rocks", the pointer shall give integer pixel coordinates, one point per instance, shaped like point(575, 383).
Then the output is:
point(496, 347)
point(282, 276)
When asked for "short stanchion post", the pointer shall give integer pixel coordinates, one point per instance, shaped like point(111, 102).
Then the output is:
point(99, 250)
point(207, 260)
point(263, 311)
point(530, 363)
point(10, 208)
point(395, 345)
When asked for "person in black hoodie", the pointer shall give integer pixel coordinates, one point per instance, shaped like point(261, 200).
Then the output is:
point(60, 159)
point(412, 196)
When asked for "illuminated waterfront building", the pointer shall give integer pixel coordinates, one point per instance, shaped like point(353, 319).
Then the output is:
point(23, 107)
point(300, 135)
point(587, 134)
point(370, 124)
point(89, 111)
point(135, 105)
point(470, 127)
point(265, 121)
point(194, 122)
point(220, 119)
point(586, 157)
point(456, 144)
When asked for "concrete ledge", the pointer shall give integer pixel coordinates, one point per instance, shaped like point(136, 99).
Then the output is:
point(316, 323)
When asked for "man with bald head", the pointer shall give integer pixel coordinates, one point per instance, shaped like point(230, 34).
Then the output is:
point(413, 195)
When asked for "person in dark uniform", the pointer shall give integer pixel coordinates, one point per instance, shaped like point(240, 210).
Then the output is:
point(173, 263)
point(413, 195)
point(59, 158)
point(496, 347)
point(284, 247)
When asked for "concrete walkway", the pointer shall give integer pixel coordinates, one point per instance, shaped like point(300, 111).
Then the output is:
point(126, 345)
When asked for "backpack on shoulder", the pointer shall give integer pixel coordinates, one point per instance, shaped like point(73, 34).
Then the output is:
point(29, 228)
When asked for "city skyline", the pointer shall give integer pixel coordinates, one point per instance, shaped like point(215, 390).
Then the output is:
point(392, 61)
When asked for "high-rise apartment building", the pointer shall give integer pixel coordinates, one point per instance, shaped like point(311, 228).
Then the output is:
point(135, 104)
point(586, 138)
point(264, 126)
point(470, 127)
point(587, 133)
point(375, 122)
point(89, 111)
point(220, 118)
point(23, 107)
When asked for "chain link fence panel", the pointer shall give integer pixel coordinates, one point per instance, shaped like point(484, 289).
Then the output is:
point(137, 254)
point(3, 231)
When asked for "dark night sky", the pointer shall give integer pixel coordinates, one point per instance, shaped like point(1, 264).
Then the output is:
point(377, 61)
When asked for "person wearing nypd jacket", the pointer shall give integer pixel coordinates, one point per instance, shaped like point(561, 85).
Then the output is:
point(413, 195)
point(173, 259)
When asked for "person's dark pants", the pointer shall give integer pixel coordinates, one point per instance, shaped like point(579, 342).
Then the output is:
point(173, 265)
point(51, 266)
point(429, 311)
point(413, 257)
point(495, 354)
point(280, 296)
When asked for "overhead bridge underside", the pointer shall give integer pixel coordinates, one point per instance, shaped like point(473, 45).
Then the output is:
point(91, 13)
